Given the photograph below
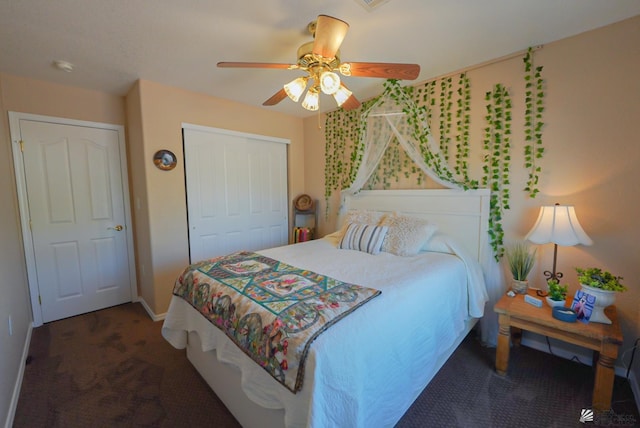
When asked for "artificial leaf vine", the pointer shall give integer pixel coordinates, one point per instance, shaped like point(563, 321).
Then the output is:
point(341, 131)
point(443, 100)
point(463, 121)
point(534, 108)
point(446, 94)
point(497, 158)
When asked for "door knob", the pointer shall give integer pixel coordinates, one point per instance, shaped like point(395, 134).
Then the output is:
point(117, 228)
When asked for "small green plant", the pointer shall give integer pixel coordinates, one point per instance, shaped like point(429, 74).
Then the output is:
point(597, 278)
point(521, 260)
point(557, 292)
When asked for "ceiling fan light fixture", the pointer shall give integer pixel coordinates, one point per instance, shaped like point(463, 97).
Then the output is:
point(310, 101)
point(342, 95)
point(295, 88)
point(329, 82)
point(320, 58)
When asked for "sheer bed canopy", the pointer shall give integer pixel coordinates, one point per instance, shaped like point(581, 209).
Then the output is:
point(395, 115)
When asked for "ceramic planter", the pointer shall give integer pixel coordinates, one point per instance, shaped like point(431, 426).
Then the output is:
point(604, 298)
point(554, 303)
point(520, 287)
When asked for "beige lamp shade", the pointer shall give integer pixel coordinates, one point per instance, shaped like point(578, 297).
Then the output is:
point(558, 224)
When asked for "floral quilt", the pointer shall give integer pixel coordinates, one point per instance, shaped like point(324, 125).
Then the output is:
point(273, 311)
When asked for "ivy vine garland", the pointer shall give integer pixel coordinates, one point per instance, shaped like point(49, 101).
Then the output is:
point(534, 108)
point(446, 94)
point(344, 148)
point(497, 157)
point(463, 121)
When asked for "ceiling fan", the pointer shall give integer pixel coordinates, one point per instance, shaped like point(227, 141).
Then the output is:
point(321, 59)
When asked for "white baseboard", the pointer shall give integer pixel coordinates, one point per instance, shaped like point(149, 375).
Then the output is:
point(568, 351)
point(16, 389)
point(585, 356)
point(152, 315)
point(635, 387)
point(564, 350)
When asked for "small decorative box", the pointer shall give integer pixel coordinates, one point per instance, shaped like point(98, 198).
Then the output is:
point(564, 314)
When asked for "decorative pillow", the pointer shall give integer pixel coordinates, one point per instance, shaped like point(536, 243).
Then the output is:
point(361, 217)
point(363, 237)
point(406, 234)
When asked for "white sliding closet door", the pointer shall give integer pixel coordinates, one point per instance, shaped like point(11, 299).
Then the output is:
point(236, 191)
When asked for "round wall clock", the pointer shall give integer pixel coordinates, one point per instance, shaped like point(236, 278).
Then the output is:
point(164, 160)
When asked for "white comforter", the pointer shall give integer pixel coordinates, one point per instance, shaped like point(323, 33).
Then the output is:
point(367, 369)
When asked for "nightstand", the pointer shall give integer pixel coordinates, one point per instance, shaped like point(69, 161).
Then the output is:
point(605, 339)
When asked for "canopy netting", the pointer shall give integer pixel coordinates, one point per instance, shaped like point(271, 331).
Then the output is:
point(395, 115)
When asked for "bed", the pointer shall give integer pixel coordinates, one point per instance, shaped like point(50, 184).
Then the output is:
point(367, 368)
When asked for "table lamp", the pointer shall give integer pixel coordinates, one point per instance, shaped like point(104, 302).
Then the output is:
point(557, 224)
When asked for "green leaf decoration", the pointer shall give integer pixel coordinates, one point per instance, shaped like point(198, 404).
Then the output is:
point(533, 150)
point(447, 101)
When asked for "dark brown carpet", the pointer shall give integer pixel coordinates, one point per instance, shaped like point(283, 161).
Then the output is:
point(112, 368)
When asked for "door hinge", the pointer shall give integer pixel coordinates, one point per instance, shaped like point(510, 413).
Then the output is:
point(40, 299)
point(21, 146)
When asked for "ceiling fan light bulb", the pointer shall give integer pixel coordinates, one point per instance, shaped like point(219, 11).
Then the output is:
point(310, 101)
point(329, 82)
point(295, 88)
point(342, 95)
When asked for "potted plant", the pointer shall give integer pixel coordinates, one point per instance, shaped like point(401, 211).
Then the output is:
point(521, 260)
point(557, 293)
point(603, 285)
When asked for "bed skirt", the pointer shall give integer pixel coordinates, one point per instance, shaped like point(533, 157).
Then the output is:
point(225, 380)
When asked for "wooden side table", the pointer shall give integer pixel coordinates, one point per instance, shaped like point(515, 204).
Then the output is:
point(605, 339)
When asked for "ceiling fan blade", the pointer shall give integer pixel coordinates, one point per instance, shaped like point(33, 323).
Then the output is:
point(276, 98)
point(351, 103)
point(329, 34)
point(254, 65)
point(387, 70)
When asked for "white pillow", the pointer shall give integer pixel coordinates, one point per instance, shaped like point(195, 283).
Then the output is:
point(363, 237)
point(406, 234)
point(439, 243)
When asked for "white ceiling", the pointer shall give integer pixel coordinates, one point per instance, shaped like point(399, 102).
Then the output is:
point(112, 43)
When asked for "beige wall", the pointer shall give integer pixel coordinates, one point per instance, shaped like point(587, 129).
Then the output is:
point(33, 96)
point(592, 153)
point(163, 253)
point(591, 162)
point(154, 114)
point(30, 96)
point(13, 286)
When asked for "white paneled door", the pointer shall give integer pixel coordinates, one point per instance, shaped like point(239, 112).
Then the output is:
point(76, 208)
point(236, 191)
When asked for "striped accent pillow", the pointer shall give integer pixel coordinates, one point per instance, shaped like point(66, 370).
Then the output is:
point(363, 237)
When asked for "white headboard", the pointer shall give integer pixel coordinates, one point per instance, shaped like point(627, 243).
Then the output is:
point(464, 215)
